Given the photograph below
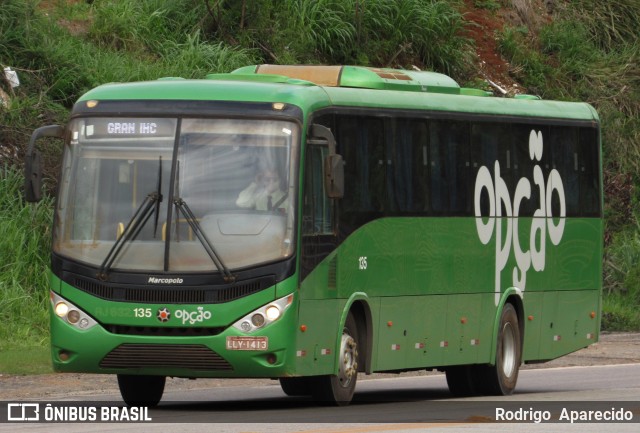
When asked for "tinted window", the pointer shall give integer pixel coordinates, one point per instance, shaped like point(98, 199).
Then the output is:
point(404, 165)
point(450, 167)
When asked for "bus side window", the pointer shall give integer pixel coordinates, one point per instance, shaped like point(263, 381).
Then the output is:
point(361, 142)
point(318, 208)
point(408, 189)
point(563, 145)
point(451, 174)
point(589, 173)
point(318, 226)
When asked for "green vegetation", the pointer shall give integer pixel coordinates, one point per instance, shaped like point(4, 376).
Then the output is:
point(25, 232)
point(590, 51)
point(26, 360)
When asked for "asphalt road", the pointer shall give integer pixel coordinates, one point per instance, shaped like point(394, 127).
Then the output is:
point(386, 403)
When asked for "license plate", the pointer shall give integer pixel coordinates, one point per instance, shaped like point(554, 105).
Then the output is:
point(247, 343)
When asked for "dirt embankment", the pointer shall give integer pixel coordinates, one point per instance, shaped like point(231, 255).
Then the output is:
point(615, 348)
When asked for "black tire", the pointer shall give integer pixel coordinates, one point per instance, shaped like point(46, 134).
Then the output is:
point(460, 380)
point(338, 389)
point(297, 386)
point(141, 390)
point(501, 378)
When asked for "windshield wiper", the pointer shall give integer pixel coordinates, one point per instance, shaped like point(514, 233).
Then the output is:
point(150, 205)
point(182, 206)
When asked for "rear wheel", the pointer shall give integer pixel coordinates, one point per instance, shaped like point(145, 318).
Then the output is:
point(501, 378)
point(141, 390)
point(338, 389)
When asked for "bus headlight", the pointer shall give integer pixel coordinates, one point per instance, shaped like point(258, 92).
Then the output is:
point(273, 312)
point(61, 309)
point(264, 315)
point(70, 313)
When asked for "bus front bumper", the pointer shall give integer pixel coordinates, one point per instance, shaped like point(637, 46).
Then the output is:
point(228, 354)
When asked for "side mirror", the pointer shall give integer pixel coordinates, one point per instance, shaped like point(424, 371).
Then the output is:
point(33, 162)
point(33, 177)
point(334, 176)
point(333, 165)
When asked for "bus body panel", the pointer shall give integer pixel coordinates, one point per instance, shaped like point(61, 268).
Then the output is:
point(317, 345)
point(451, 313)
point(433, 331)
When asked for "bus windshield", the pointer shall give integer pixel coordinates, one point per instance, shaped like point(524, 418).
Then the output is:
point(193, 184)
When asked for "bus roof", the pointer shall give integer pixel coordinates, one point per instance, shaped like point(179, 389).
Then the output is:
point(360, 77)
point(316, 87)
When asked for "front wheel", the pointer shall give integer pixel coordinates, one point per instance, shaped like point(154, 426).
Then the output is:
point(460, 380)
point(296, 386)
point(338, 389)
point(501, 378)
point(141, 390)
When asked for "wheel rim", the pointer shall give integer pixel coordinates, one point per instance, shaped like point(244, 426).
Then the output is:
point(508, 350)
point(348, 360)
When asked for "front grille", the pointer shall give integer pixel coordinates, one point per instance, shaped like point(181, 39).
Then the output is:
point(97, 289)
point(160, 296)
point(172, 295)
point(157, 331)
point(189, 356)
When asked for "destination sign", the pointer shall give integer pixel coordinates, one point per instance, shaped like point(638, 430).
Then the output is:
point(112, 128)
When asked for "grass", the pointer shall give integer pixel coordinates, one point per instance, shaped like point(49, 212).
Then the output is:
point(611, 24)
point(25, 231)
point(622, 264)
point(78, 46)
point(65, 66)
point(26, 360)
point(620, 310)
point(24, 254)
point(617, 314)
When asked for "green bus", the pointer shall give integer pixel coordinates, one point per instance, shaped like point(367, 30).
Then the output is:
point(310, 223)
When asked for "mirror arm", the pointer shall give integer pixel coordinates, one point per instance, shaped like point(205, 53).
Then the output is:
point(324, 133)
point(45, 131)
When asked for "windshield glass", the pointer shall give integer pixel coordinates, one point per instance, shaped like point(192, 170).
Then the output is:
point(235, 177)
